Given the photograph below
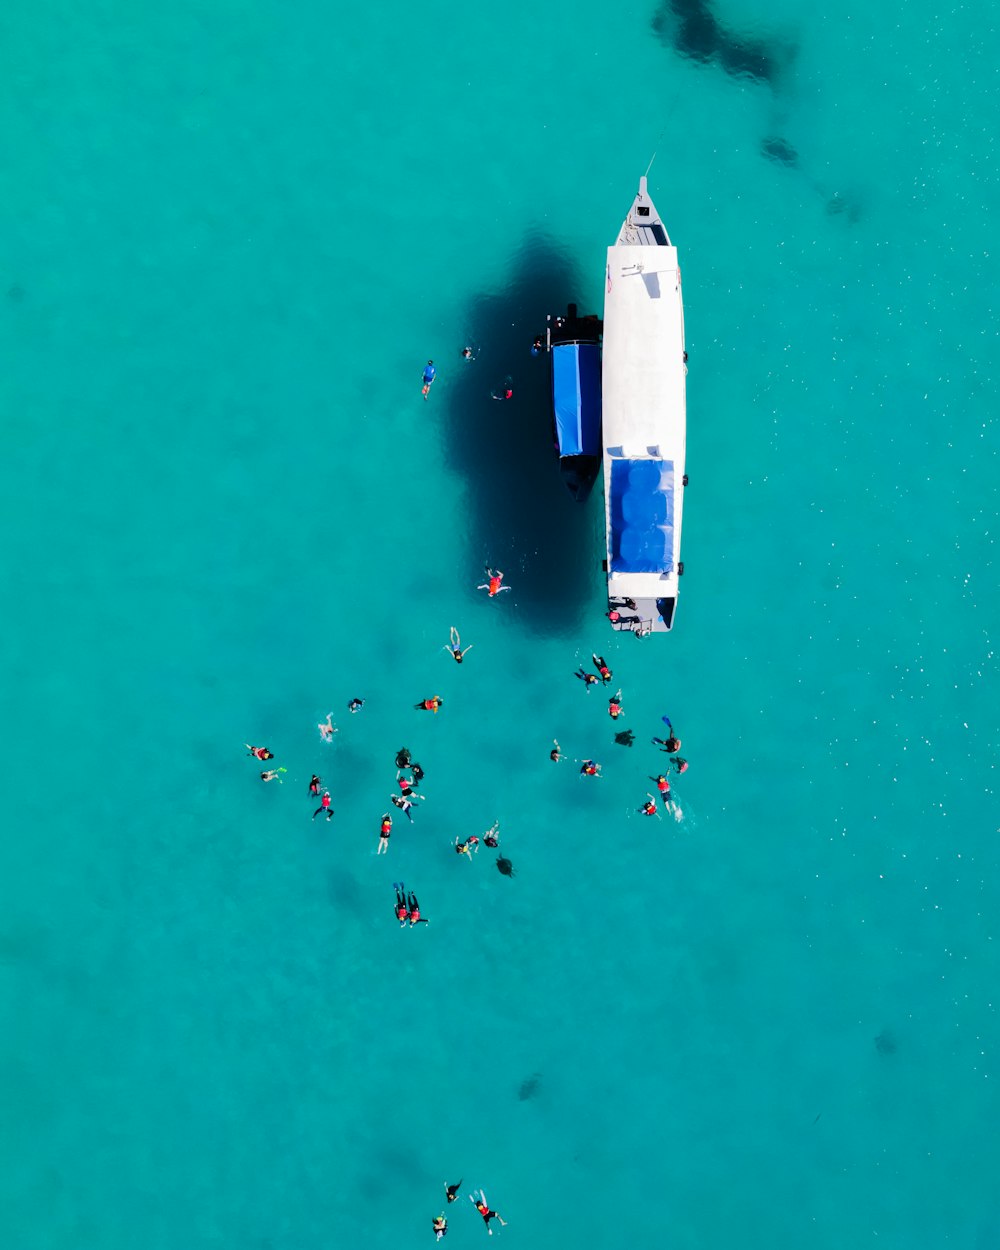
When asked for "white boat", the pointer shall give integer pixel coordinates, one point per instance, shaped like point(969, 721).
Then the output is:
point(645, 422)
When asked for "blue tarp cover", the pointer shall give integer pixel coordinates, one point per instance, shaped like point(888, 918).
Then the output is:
point(576, 398)
point(642, 516)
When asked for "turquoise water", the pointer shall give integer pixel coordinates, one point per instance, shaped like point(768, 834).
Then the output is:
point(230, 240)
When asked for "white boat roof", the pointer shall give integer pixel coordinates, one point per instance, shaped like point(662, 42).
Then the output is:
point(644, 373)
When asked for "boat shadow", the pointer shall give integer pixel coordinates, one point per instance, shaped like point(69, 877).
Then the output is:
point(520, 516)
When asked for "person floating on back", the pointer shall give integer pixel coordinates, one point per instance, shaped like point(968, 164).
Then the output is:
point(467, 847)
point(430, 373)
point(588, 679)
point(589, 769)
point(483, 1207)
point(495, 584)
point(355, 705)
point(429, 705)
point(649, 808)
point(555, 755)
point(455, 646)
point(452, 1190)
point(490, 836)
point(440, 1226)
point(415, 916)
point(272, 775)
point(402, 911)
point(384, 834)
point(615, 706)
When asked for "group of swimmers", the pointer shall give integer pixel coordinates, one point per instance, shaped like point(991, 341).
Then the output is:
point(478, 1200)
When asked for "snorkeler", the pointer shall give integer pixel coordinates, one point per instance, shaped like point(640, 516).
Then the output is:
point(468, 354)
point(405, 804)
point(430, 373)
point(455, 646)
point(415, 916)
point(494, 585)
point(327, 728)
point(405, 788)
point(538, 345)
point(259, 753)
point(601, 665)
point(589, 769)
point(588, 679)
point(615, 706)
point(467, 847)
point(272, 775)
point(418, 774)
point(672, 744)
point(506, 391)
point(649, 808)
point(483, 1207)
point(440, 1226)
point(315, 784)
point(555, 755)
point(324, 806)
point(355, 705)
point(680, 764)
point(402, 911)
point(384, 834)
point(452, 1190)
point(490, 838)
point(429, 705)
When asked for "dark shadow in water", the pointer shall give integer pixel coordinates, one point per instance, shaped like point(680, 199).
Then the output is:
point(521, 518)
point(780, 151)
point(691, 28)
point(885, 1043)
point(529, 1087)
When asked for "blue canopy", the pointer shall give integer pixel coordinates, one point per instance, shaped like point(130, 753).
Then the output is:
point(642, 516)
point(576, 398)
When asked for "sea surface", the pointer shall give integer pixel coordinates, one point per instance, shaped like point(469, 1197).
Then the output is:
point(230, 237)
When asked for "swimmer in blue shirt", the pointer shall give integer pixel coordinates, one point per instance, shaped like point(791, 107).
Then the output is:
point(429, 375)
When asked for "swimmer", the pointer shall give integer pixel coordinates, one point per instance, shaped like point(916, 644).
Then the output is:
point(440, 1226)
point(589, 768)
point(405, 804)
point(402, 911)
point(681, 765)
point(429, 705)
point(673, 743)
point(355, 705)
point(452, 1190)
point(384, 834)
point(494, 585)
point(467, 847)
point(602, 668)
point(483, 1207)
point(538, 346)
point(455, 646)
point(649, 808)
point(588, 679)
point(615, 706)
point(259, 753)
point(555, 755)
point(327, 729)
point(415, 916)
point(272, 775)
point(663, 785)
point(468, 353)
point(418, 774)
point(405, 788)
point(490, 836)
point(314, 784)
point(324, 806)
point(506, 391)
point(430, 373)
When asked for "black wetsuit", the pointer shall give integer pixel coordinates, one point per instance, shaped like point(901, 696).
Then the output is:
point(415, 907)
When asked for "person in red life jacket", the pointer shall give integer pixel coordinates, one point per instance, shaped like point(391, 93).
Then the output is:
point(315, 784)
point(490, 836)
point(415, 916)
point(259, 753)
point(615, 706)
point(324, 806)
point(455, 646)
point(506, 391)
point(429, 705)
point(404, 785)
point(495, 584)
point(483, 1207)
point(467, 847)
point(662, 784)
point(588, 679)
point(590, 769)
point(555, 755)
point(649, 808)
point(402, 911)
point(680, 764)
point(384, 833)
point(602, 668)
